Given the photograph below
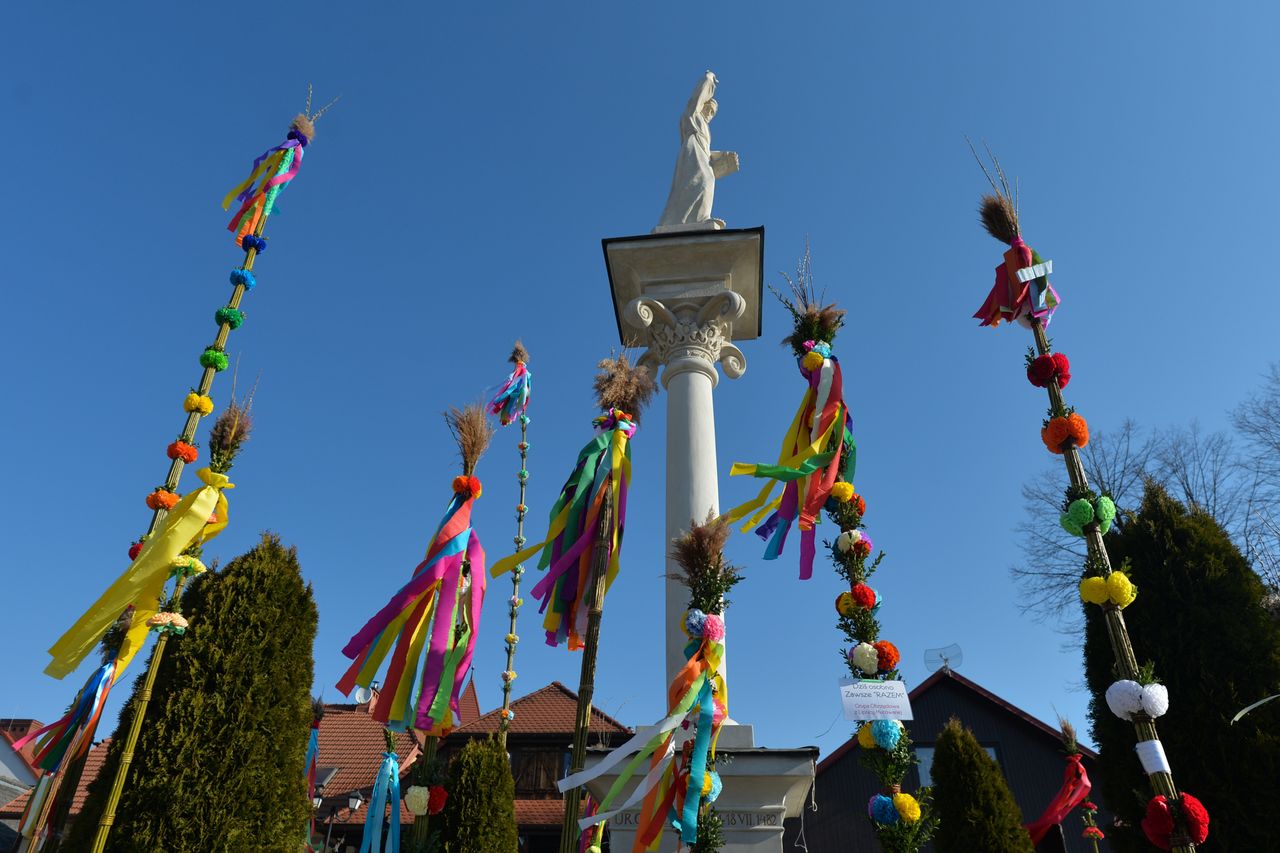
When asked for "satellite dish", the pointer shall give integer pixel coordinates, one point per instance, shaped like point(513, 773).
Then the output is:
point(363, 695)
point(945, 658)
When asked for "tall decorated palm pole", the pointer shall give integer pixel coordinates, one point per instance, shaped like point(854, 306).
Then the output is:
point(1022, 294)
point(136, 603)
point(815, 469)
point(428, 628)
point(583, 547)
point(511, 404)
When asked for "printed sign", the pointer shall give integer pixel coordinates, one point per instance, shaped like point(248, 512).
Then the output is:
point(874, 700)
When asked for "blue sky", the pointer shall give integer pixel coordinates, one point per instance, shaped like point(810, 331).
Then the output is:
point(454, 200)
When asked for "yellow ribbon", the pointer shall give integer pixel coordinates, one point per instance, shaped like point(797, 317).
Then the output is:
point(269, 164)
point(143, 582)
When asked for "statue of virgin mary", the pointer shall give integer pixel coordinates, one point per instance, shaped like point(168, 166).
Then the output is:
point(693, 187)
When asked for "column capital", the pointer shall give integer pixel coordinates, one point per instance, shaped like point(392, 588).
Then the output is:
point(685, 337)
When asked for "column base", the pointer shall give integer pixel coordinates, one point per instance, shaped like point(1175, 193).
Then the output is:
point(762, 787)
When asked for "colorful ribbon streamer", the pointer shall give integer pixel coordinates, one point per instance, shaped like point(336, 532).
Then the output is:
point(1011, 299)
point(386, 791)
point(274, 168)
point(808, 464)
point(438, 587)
point(142, 584)
point(694, 697)
point(1075, 789)
point(65, 738)
point(603, 467)
point(512, 399)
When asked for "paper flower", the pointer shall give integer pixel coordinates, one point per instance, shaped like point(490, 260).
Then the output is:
point(713, 628)
point(197, 403)
point(416, 799)
point(885, 733)
point(512, 639)
point(865, 658)
point(1124, 698)
point(863, 546)
point(812, 360)
point(1046, 367)
point(228, 316)
point(135, 549)
point(468, 487)
point(437, 796)
point(846, 540)
point(694, 621)
point(866, 739)
point(1093, 590)
point(882, 810)
point(508, 714)
point(887, 655)
point(1155, 700)
point(1093, 832)
point(508, 676)
point(864, 596)
point(842, 492)
point(846, 605)
point(1121, 590)
point(1058, 430)
point(216, 359)
point(162, 499)
point(181, 450)
point(907, 807)
point(1158, 823)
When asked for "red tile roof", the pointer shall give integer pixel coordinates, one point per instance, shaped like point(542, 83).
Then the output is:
point(92, 767)
point(551, 710)
point(352, 741)
point(539, 812)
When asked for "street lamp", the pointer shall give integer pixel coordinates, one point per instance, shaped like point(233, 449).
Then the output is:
point(354, 801)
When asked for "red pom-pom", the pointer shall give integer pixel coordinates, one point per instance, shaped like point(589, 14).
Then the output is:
point(1046, 367)
point(862, 548)
point(1158, 824)
point(859, 505)
point(863, 595)
point(135, 549)
point(887, 656)
point(436, 797)
point(468, 487)
point(1062, 367)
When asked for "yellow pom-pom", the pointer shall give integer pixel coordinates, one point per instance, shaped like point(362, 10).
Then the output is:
point(812, 361)
point(908, 808)
point(706, 785)
point(842, 491)
point(1121, 590)
point(197, 403)
point(845, 605)
point(865, 739)
point(1094, 590)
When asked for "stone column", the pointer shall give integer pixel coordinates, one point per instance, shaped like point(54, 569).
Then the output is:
point(686, 343)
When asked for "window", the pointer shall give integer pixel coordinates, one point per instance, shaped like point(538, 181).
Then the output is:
point(536, 771)
point(925, 754)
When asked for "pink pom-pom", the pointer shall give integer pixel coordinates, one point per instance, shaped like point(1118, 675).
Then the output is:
point(713, 628)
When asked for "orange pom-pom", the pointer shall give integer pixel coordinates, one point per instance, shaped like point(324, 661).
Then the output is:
point(162, 499)
point(859, 505)
point(887, 656)
point(1072, 428)
point(181, 450)
point(467, 486)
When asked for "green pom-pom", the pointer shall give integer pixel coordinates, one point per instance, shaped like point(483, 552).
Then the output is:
point(229, 316)
point(1106, 510)
point(1104, 525)
point(1069, 525)
point(214, 358)
point(1081, 512)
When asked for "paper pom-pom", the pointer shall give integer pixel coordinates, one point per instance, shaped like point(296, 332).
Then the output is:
point(863, 546)
point(866, 658)
point(215, 359)
point(135, 549)
point(713, 628)
point(866, 739)
point(842, 492)
point(181, 450)
point(882, 809)
point(1056, 433)
point(229, 316)
point(1124, 698)
point(1106, 509)
point(1069, 524)
point(846, 540)
point(436, 799)
point(244, 277)
point(812, 360)
point(694, 622)
point(467, 486)
point(1081, 511)
point(1121, 590)
point(1046, 367)
point(1158, 823)
point(415, 799)
point(1093, 832)
point(845, 604)
point(197, 403)
point(864, 596)
point(1094, 590)
point(886, 733)
point(508, 676)
point(887, 655)
point(908, 808)
point(1155, 700)
point(162, 499)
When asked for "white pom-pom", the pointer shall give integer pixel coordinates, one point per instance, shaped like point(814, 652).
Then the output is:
point(1124, 698)
point(846, 540)
point(416, 798)
point(1155, 700)
point(866, 658)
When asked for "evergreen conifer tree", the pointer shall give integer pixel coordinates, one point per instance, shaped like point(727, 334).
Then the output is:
point(975, 809)
point(479, 816)
point(219, 765)
point(1203, 624)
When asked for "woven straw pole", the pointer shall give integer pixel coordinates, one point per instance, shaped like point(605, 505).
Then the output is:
point(504, 723)
point(569, 832)
point(1126, 662)
point(422, 823)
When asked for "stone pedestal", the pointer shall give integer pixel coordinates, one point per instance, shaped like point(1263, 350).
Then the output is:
point(762, 787)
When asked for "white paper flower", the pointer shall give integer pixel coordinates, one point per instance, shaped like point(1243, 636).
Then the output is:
point(846, 540)
point(1124, 698)
point(866, 659)
point(415, 799)
point(1155, 700)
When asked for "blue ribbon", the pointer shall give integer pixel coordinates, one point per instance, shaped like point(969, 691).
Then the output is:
point(386, 790)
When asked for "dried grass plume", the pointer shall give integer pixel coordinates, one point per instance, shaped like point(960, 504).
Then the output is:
point(622, 385)
point(230, 431)
point(472, 431)
point(812, 320)
point(998, 211)
point(700, 555)
point(519, 355)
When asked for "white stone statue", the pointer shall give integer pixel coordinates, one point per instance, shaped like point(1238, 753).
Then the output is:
point(693, 187)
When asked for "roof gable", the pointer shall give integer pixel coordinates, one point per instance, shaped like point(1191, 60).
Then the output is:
point(551, 710)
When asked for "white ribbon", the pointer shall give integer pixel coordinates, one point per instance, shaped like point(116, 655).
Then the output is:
point(643, 788)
